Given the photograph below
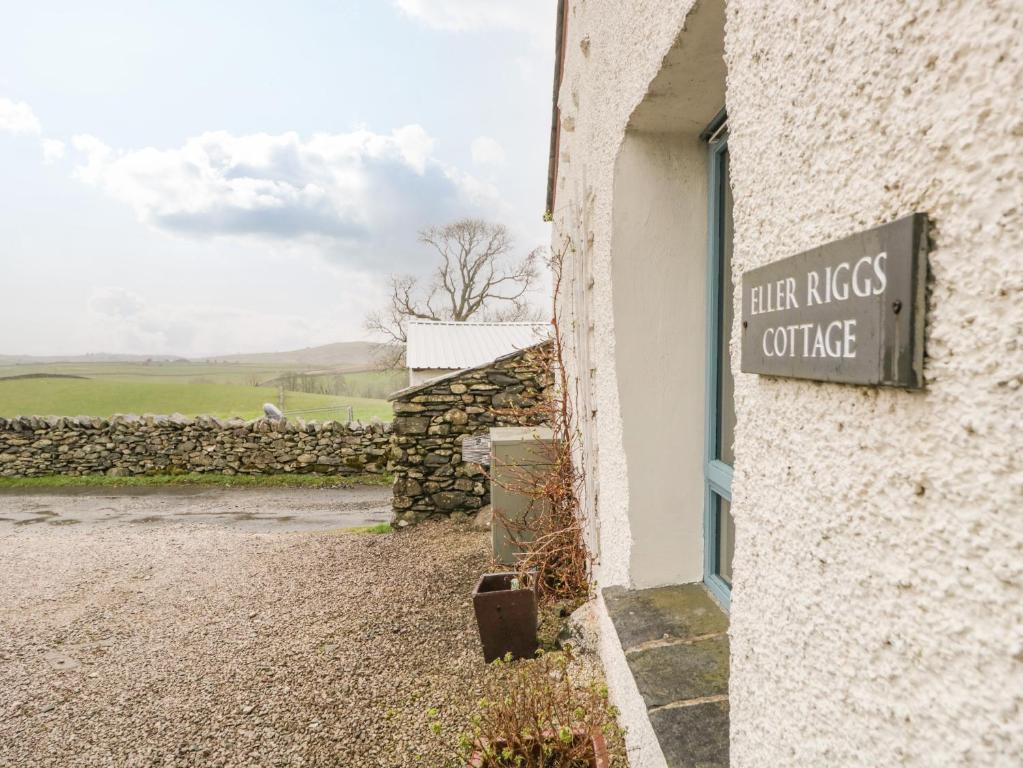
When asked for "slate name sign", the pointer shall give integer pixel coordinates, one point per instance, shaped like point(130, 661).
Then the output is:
point(851, 311)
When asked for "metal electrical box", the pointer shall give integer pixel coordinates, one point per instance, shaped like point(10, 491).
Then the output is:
point(520, 458)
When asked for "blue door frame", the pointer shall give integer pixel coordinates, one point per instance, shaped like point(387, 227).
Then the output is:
point(717, 474)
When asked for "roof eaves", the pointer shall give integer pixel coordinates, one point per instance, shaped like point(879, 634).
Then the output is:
point(479, 322)
point(455, 374)
point(559, 66)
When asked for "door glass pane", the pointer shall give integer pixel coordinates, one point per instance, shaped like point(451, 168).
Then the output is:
point(726, 389)
point(725, 538)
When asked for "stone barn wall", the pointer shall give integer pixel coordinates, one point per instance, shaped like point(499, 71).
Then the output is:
point(32, 446)
point(430, 421)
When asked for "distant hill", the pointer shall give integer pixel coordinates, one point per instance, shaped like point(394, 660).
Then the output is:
point(342, 355)
point(92, 357)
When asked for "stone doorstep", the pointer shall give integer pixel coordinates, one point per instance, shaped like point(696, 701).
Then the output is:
point(694, 735)
point(676, 645)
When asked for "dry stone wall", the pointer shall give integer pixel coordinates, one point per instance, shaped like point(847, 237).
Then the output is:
point(146, 445)
point(431, 420)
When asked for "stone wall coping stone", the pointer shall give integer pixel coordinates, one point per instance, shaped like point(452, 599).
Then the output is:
point(427, 385)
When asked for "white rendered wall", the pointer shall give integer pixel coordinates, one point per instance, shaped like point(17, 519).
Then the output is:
point(659, 274)
point(877, 609)
point(598, 94)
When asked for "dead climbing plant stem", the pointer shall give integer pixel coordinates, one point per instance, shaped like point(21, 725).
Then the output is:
point(550, 537)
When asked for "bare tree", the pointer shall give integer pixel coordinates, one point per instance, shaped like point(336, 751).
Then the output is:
point(474, 279)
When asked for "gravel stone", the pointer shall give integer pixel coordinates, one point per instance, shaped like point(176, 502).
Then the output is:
point(191, 644)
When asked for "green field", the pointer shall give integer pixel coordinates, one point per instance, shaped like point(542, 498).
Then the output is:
point(376, 384)
point(192, 389)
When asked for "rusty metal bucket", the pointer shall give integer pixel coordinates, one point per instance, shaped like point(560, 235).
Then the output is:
point(506, 617)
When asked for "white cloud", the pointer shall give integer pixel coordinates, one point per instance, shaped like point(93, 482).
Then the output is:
point(488, 151)
point(480, 194)
point(121, 321)
point(53, 150)
point(360, 196)
point(116, 302)
point(461, 15)
point(17, 117)
point(414, 145)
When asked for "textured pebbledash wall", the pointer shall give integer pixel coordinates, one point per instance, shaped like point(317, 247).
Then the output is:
point(431, 419)
point(33, 446)
point(878, 592)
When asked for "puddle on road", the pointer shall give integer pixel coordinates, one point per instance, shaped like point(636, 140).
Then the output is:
point(267, 518)
point(39, 514)
point(64, 521)
point(147, 519)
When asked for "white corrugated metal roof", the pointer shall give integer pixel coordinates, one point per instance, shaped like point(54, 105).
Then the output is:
point(454, 345)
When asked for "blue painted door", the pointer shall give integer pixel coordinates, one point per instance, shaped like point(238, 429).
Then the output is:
point(719, 527)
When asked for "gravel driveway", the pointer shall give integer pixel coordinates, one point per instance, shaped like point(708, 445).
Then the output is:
point(184, 642)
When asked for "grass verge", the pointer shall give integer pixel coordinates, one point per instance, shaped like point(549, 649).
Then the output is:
point(204, 479)
point(378, 528)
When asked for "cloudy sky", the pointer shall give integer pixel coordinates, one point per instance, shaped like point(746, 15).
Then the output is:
point(198, 178)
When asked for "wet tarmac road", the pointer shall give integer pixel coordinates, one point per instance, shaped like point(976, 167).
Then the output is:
point(249, 509)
